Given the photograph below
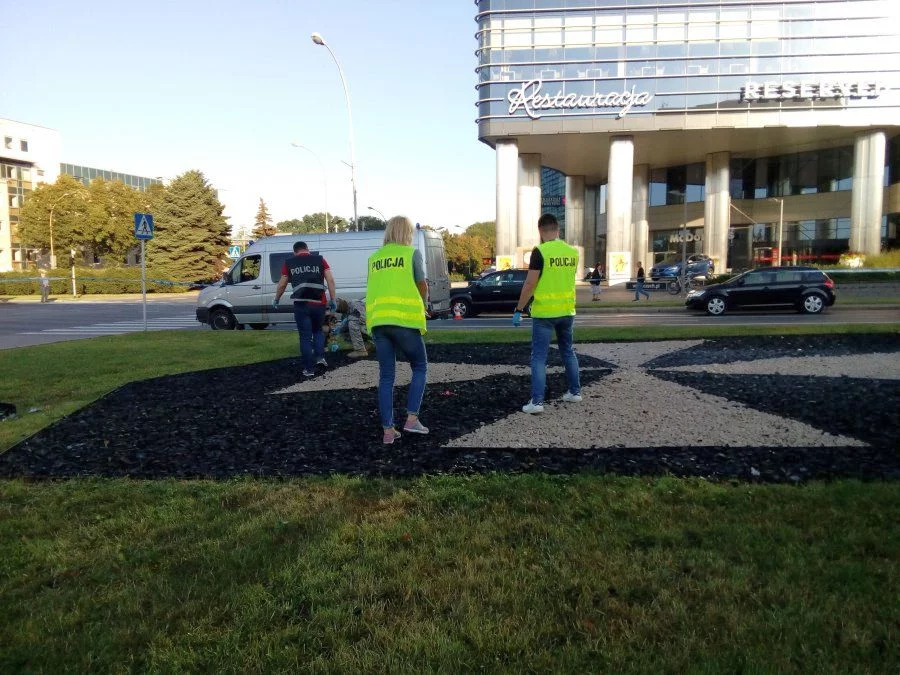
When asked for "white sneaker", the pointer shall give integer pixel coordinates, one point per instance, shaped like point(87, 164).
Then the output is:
point(533, 408)
point(322, 362)
point(569, 397)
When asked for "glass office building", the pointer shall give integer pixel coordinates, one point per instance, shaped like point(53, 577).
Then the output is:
point(86, 174)
point(757, 131)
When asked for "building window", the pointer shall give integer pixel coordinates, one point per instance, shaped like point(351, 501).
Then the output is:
point(23, 144)
point(7, 142)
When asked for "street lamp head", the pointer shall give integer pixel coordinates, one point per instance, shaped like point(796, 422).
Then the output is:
point(318, 39)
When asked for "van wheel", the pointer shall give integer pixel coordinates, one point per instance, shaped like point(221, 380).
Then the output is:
point(259, 326)
point(221, 319)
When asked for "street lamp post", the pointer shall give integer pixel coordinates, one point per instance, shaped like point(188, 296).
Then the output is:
point(780, 201)
point(324, 178)
point(383, 219)
point(319, 40)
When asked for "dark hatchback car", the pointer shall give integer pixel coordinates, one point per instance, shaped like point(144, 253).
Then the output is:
point(804, 288)
point(495, 292)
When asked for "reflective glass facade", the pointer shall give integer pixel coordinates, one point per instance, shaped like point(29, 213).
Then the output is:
point(685, 56)
point(86, 174)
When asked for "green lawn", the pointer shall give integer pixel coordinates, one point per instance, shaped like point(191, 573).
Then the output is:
point(448, 574)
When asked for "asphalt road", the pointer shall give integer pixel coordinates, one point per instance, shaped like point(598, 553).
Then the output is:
point(23, 324)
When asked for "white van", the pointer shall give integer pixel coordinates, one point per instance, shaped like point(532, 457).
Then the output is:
point(245, 293)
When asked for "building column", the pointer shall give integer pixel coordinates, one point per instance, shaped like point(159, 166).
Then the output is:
point(529, 204)
point(717, 208)
point(590, 225)
point(507, 196)
point(866, 200)
point(618, 198)
point(575, 211)
point(640, 225)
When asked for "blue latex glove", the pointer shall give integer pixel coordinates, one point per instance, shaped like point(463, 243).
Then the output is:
point(332, 306)
point(517, 319)
point(275, 305)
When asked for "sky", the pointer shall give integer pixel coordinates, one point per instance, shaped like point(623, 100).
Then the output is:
point(225, 86)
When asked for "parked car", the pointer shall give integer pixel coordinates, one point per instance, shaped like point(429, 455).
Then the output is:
point(699, 264)
point(495, 292)
point(805, 288)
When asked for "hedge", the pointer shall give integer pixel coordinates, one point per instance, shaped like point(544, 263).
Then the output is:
point(88, 281)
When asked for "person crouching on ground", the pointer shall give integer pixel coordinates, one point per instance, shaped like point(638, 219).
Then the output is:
point(551, 280)
point(353, 321)
point(395, 318)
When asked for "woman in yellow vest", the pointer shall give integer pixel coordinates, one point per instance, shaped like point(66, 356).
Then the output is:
point(395, 318)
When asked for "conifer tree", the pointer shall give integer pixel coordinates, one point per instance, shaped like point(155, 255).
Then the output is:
point(192, 235)
point(262, 227)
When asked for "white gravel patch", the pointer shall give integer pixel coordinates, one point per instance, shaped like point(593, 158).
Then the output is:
point(882, 366)
point(631, 408)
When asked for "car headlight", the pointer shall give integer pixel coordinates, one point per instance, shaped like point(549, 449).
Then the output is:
point(695, 294)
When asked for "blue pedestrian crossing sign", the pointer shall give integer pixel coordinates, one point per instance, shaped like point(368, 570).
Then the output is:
point(234, 251)
point(143, 226)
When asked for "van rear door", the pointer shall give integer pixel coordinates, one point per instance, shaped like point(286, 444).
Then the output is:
point(436, 272)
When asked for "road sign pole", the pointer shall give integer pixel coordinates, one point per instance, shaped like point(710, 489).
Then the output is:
point(144, 280)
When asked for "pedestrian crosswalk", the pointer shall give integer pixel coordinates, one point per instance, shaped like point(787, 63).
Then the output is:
point(117, 327)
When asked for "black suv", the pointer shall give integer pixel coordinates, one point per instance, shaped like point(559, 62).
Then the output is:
point(495, 292)
point(805, 288)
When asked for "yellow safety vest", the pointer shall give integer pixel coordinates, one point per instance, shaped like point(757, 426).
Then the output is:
point(392, 298)
point(554, 294)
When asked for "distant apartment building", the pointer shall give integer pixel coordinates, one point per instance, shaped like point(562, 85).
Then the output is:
point(30, 155)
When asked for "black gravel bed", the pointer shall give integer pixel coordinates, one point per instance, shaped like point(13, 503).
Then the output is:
point(753, 347)
point(868, 410)
point(225, 422)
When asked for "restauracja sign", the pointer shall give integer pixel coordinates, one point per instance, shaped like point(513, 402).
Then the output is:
point(529, 98)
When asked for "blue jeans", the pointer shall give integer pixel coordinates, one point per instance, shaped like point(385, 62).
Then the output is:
point(541, 334)
point(639, 290)
point(389, 339)
point(309, 320)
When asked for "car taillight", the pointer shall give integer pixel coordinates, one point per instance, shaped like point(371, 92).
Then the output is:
point(829, 283)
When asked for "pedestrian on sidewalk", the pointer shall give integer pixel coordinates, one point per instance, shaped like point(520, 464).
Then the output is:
point(45, 287)
point(596, 277)
point(639, 283)
point(308, 274)
point(551, 280)
point(353, 322)
point(395, 318)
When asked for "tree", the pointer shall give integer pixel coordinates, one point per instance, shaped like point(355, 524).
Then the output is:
point(465, 252)
point(263, 225)
point(369, 223)
point(192, 235)
point(312, 223)
point(61, 206)
point(487, 230)
point(110, 218)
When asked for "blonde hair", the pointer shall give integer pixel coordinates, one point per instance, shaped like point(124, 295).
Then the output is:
point(399, 230)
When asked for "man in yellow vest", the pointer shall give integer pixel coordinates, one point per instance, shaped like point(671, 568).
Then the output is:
point(551, 281)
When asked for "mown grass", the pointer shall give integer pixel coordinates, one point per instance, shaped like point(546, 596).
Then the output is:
point(448, 574)
point(57, 379)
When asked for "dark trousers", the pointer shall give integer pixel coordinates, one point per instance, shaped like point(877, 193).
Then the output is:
point(309, 318)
